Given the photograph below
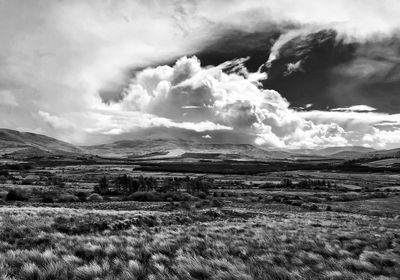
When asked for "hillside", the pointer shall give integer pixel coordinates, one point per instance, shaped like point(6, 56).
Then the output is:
point(172, 148)
point(26, 144)
point(345, 152)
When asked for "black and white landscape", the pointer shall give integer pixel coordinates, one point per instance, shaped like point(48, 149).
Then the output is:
point(206, 139)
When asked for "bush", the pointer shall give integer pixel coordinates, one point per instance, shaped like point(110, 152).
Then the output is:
point(47, 198)
point(81, 196)
point(95, 197)
point(297, 202)
point(175, 196)
point(313, 207)
point(145, 196)
point(68, 198)
point(202, 195)
point(216, 203)
point(16, 195)
point(378, 195)
point(188, 197)
point(185, 205)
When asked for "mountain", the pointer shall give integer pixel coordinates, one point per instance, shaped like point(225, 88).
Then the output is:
point(342, 152)
point(393, 153)
point(26, 144)
point(172, 148)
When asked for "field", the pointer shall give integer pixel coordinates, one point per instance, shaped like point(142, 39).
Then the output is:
point(277, 225)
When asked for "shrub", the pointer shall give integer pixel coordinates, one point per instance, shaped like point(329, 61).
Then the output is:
point(175, 196)
point(68, 198)
point(297, 202)
point(188, 197)
point(185, 205)
point(145, 196)
point(378, 195)
point(216, 203)
point(16, 195)
point(202, 195)
point(313, 207)
point(81, 196)
point(47, 198)
point(95, 197)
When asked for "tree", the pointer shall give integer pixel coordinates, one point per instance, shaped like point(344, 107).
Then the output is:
point(102, 188)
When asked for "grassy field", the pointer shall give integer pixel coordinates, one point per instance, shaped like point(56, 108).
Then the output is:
point(227, 243)
point(238, 230)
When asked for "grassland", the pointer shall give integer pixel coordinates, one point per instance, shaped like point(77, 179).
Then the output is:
point(239, 230)
point(62, 243)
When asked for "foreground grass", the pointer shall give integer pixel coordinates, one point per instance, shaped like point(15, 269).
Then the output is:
point(61, 243)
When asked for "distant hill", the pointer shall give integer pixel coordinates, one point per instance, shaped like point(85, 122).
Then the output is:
point(172, 148)
point(342, 152)
point(393, 153)
point(26, 144)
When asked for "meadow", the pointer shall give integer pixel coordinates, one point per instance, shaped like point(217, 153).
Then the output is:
point(209, 243)
point(313, 229)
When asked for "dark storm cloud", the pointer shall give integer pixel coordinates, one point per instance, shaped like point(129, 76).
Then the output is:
point(329, 70)
point(301, 69)
point(320, 67)
point(236, 43)
point(372, 77)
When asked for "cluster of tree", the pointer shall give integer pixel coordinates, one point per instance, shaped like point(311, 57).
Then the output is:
point(126, 185)
point(303, 184)
point(16, 167)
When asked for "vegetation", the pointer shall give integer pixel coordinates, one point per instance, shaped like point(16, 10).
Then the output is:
point(98, 222)
point(59, 243)
point(148, 189)
point(16, 195)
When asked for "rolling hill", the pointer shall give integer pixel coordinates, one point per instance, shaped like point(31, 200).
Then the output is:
point(26, 144)
point(341, 152)
point(29, 145)
point(173, 148)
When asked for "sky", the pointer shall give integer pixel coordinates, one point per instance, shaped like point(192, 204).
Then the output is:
point(277, 74)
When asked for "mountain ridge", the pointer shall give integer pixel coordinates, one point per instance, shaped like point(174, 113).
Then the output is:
point(27, 144)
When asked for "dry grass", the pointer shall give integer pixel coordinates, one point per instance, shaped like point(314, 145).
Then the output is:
point(207, 244)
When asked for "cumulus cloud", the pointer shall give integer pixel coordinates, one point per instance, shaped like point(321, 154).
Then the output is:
point(216, 99)
point(190, 96)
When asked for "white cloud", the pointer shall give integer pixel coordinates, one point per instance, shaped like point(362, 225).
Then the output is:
point(355, 108)
point(222, 101)
point(197, 98)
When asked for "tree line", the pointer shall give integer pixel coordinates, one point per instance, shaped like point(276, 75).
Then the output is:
point(125, 185)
